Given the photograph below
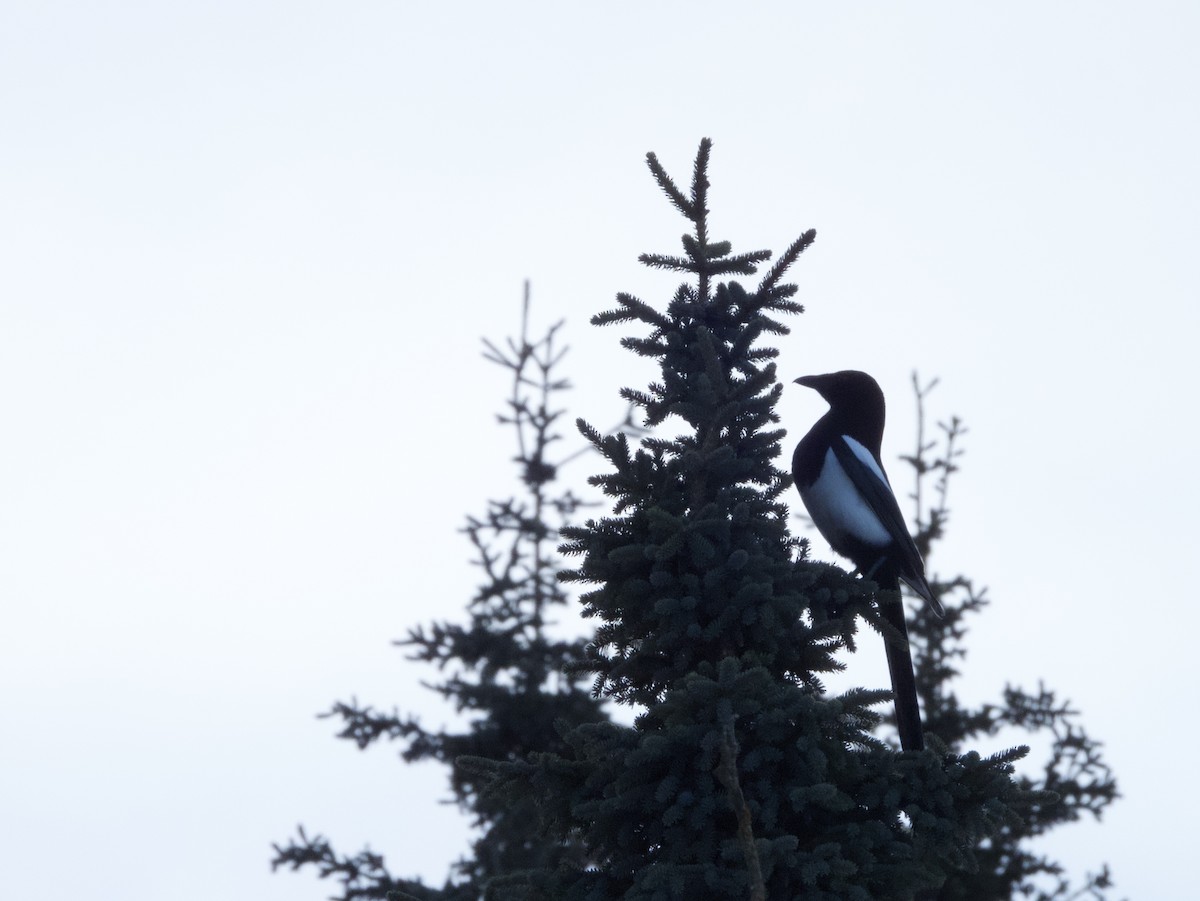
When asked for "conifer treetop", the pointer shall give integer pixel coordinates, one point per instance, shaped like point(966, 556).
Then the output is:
point(698, 543)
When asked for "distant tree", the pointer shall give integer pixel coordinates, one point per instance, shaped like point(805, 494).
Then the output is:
point(503, 669)
point(1074, 780)
point(741, 776)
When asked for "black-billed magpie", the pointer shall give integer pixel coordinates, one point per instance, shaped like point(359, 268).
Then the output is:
point(842, 483)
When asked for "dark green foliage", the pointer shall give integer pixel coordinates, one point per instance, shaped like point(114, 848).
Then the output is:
point(504, 669)
point(1074, 779)
point(741, 776)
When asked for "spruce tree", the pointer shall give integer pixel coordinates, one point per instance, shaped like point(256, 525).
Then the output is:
point(503, 669)
point(741, 776)
point(1074, 780)
point(518, 857)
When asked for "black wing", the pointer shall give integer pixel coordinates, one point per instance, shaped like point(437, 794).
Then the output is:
point(879, 497)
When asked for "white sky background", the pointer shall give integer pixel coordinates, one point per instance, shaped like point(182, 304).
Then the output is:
point(247, 251)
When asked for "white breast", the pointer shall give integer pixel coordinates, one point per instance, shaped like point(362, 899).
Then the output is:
point(836, 506)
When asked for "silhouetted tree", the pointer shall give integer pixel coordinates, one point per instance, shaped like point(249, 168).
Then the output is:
point(741, 777)
point(503, 669)
point(1074, 780)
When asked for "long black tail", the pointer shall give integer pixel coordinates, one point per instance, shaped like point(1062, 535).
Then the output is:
point(900, 665)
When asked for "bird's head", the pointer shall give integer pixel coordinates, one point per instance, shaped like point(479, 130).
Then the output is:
point(848, 388)
point(855, 404)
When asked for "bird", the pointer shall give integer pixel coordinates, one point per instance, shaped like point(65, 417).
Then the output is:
point(841, 479)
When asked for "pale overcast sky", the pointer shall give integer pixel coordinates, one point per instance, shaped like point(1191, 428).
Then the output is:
point(248, 252)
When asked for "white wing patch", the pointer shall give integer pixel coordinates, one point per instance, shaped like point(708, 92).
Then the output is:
point(867, 459)
point(836, 506)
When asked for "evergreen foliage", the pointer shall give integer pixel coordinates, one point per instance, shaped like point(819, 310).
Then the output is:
point(503, 668)
point(741, 776)
point(1074, 780)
